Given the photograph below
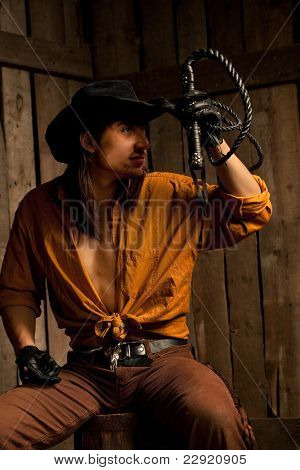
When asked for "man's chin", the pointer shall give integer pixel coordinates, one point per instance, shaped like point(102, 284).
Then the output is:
point(131, 172)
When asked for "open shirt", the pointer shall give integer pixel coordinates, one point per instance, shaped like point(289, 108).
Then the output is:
point(158, 244)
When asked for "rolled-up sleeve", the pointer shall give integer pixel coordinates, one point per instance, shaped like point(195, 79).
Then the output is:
point(231, 218)
point(22, 281)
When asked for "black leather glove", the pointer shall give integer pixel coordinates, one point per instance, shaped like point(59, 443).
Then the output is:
point(198, 105)
point(40, 367)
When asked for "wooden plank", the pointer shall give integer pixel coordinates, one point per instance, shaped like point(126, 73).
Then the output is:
point(50, 96)
point(12, 17)
point(258, 68)
point(160, 49)
point(277, 434)
point(279, 245)
point(245, 323)
point(211, 271)
point(116, 40)
point(4, 202)
point(224, 26)
point(191, 27)
point(47, 57)
point(17, 124)
point(73, 23)
point(7, 354)
point(260, 31)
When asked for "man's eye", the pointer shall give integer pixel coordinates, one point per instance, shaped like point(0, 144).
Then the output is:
point(127, 129)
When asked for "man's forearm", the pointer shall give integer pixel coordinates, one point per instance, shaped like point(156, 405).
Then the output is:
point(236, 179)
point(19, 323)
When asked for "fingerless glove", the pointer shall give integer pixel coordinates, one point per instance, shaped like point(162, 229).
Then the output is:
point(41, 368)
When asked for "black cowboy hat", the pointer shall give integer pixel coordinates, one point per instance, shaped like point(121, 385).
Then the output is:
point(100, 103)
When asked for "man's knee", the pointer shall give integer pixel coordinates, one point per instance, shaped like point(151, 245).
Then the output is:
point(216, 410)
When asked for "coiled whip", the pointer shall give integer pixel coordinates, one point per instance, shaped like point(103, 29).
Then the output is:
point(196, 159)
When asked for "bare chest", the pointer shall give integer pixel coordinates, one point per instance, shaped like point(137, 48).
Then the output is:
point(100, 262)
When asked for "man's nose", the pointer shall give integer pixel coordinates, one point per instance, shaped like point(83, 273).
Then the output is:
point(142, 141)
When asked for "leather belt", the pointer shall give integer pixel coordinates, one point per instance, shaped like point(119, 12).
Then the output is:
point(131, 349)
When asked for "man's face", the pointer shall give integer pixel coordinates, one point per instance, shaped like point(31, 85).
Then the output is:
point(123, 149)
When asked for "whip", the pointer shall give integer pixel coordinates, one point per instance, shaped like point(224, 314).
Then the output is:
point(192, 101)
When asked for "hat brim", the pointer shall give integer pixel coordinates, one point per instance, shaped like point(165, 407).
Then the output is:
point(63, 131)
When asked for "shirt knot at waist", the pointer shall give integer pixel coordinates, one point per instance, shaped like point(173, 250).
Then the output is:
point(114, 321)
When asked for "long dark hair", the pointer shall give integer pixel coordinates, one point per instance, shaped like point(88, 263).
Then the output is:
point(78, 185)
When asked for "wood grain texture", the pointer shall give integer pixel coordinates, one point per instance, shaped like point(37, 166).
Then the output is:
point(190, 27)
point(279, 242)
point(105, 432)
point(224, 25)
point(51, 95)
point(260, 32)
point(73, 34)
point(160, 48)
point(20, 162)
point(221, 17)
point(7, 355)
point(116, 40)
point(244, 296)
point(45, 56)
point(277, 434)
point(258, 68)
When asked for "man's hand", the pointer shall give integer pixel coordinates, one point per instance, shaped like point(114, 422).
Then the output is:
point(37, 367)
point(197, 105)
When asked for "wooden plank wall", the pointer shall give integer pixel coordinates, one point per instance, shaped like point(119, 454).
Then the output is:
point(19, 157)
point(244, 300)
point(277, 127)
point(241, 267)
point(264, 345)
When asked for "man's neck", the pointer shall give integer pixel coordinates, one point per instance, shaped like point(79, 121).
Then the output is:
point(104, 185)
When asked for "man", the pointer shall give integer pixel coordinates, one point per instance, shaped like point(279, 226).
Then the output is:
point(118, 261)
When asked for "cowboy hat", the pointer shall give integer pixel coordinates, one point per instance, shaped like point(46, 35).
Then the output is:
point(98, 103)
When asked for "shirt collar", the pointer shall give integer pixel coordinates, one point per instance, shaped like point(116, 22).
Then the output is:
point(58, 193)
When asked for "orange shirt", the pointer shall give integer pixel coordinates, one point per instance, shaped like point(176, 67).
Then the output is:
point(158, 247)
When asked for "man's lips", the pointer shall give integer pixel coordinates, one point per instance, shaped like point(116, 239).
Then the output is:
point(139, 157)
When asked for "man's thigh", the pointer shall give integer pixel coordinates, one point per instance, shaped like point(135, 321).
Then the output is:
point(39, 417)
point(184, 393)
point(177, 382)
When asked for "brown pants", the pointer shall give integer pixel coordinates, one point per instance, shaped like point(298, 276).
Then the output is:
point(186, 395)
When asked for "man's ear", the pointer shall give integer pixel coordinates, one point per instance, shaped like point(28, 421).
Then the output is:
point(87, 141)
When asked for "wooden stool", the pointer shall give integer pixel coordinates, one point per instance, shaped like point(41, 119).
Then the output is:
point(125, 431)
point(130, 431)
point(107, 431)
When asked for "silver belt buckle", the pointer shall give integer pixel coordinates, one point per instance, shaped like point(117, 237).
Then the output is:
point(113, 352)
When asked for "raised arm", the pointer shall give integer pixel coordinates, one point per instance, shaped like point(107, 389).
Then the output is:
point(236, 179)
